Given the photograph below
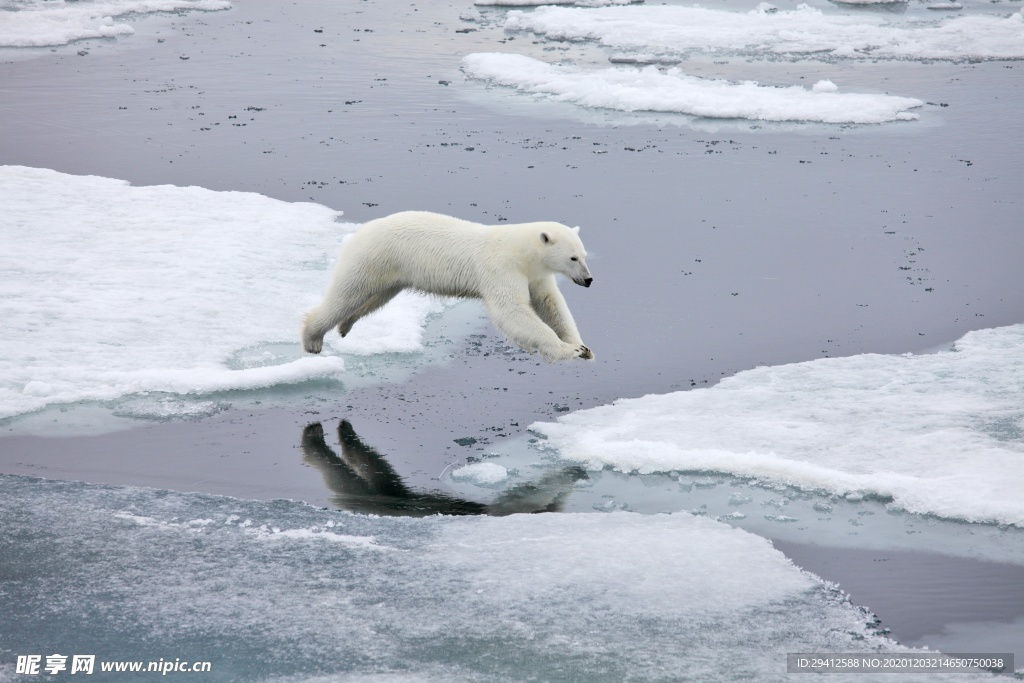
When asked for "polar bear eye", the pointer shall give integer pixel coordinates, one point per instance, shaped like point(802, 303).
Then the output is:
point(574, 259)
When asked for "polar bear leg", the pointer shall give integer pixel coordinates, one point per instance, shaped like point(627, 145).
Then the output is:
point(345, 303)
point(550, 306)
point(369, 305)
point(515, 318)
point(313, 330)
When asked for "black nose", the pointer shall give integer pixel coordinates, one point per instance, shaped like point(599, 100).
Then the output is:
point(586, 283)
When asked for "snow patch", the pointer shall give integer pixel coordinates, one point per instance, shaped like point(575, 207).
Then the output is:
point(939, 434)
point(39, 23)
point(109, 290)
point(804, 31)
point(648, 89)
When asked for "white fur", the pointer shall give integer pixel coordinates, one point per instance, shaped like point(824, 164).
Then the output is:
point(510, 267)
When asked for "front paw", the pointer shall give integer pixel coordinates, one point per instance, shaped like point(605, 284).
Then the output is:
point(584, 353)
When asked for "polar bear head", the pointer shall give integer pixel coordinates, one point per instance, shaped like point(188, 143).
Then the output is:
point(562, 251)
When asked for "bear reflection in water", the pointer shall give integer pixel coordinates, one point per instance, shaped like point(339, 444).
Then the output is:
point(363, 481)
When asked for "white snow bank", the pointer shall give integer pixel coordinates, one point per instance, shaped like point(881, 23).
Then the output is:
point(800, 32)
point(38, 23)
point(648, 89)
point(108, 289)
point(940, 433)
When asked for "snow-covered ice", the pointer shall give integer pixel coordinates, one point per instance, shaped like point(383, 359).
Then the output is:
point(37, 23)
point(108, 290)
point(649, 89)
point(668, 34)
point(939, 434)
point(766, 31)
point(300, 591)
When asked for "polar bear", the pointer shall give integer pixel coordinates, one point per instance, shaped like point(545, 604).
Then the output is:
point(510, 267)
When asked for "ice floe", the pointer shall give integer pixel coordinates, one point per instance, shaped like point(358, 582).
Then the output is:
point(939, 434)
point(768, 31)
point(649, 89)
point(287, 591)
point(108, 290)
point(38, 23)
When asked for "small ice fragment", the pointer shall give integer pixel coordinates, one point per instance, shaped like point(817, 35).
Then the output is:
point(481, 473)
point(824, 85)
point(739, 499)
point(780, 518)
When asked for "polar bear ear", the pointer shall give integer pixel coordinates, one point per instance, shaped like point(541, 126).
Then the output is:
point(544, 238)
point(576, 230)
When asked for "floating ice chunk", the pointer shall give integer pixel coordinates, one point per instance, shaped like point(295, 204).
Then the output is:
point(169, 408)
point(649, 89)
point(939, 434)
point(481, 473)
point(108, 290)
point(785, 519)
point(825, 86)
point(799, 32)
point(951, 6)
point(281, 598)
point(37, 23)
